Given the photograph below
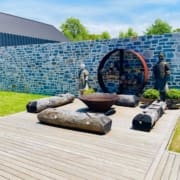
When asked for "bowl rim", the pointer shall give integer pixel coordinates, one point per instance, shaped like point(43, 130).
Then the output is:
point(103, 97)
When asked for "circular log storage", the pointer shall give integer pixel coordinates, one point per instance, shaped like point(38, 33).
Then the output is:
point(123, 72)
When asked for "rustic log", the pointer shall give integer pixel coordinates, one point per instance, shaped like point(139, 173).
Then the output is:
point(50, 102)
point(127, 100)
point(97, 123)
point(147, 119)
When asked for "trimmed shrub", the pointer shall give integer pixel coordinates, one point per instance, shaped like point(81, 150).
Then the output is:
point(88, 91)
point(151, 93)
point(173, 94)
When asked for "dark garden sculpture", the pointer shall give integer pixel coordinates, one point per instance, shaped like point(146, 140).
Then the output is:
point(161, 74)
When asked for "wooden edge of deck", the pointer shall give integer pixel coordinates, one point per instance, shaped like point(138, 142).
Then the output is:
point(153, 168)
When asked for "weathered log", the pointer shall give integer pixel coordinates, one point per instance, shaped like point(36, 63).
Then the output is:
point(127, 100)
point(97, 123)
point(147, 119)
point(50, 102)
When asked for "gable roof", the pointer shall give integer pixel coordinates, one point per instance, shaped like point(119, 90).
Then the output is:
point(25, 27)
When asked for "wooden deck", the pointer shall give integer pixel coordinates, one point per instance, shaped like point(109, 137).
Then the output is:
point(30, 150)
point(169, 167)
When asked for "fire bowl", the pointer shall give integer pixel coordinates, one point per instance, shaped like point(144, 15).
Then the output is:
point(99, 102)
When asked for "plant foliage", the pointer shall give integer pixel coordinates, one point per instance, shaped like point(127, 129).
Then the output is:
point(151, 93)
point(159, 27)
point(130, 33)
point(88, 91)
point(173, 94)
point(74, 30)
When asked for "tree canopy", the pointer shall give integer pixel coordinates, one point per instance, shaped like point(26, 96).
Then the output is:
point(176, 30)
point(159, 27)
point(103, 35)
point(74, 30)
point(130, 33)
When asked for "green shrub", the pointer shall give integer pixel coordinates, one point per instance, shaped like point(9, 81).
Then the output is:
point(173, 94)
point(88, 91)
point(151, 93)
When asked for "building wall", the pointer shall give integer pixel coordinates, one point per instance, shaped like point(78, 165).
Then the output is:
point(7, 39)
point(53, 68)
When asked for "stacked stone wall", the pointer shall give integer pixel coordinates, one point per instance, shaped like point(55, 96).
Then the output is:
point(53, 68)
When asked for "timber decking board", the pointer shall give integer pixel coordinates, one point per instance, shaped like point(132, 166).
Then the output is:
point(30, 150)
point(169, 167)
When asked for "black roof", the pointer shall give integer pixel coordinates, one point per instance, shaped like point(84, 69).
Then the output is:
point(25, 27)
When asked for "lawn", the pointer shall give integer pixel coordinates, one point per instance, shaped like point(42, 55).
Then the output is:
point(13, 102)
point(175, 143)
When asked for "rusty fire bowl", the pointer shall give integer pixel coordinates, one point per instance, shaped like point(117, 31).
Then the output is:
point(99, 102)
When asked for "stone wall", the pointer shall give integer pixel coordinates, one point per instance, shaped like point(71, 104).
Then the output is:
point(53, 68)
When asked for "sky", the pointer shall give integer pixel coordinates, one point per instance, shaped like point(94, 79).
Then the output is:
point(98, 16)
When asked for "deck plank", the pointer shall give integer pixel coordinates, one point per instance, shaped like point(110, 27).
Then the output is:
point(161, 166)
point(168, 167)
point(175, 171)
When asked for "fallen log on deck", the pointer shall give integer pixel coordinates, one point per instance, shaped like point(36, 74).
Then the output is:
point(49, 102)
point(127, 100)
point(147, 119)
point(97, 123)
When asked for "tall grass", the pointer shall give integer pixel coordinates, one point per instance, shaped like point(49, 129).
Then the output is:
point(13, 102)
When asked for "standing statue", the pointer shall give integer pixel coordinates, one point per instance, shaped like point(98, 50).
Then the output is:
point(83, 78)
point(161, 73)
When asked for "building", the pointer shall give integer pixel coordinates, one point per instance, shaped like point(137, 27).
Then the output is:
point(16, 30)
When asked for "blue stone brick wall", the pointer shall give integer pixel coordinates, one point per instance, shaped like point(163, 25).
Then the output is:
point(53, 68)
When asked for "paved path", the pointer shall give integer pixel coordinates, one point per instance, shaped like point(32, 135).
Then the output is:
point(30, 150)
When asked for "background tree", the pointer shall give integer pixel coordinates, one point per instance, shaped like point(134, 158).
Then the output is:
point(159, 27)
point(105, 35)
point(130, 33)
point(74, 30)
point(176, 30)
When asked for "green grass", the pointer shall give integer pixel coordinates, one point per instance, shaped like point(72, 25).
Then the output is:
point(175, 143)
point(13, 102)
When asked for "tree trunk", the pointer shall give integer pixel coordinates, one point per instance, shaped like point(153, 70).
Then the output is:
point(54, 101)
point(97, 123)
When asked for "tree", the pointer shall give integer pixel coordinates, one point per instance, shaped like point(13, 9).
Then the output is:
point(159, 27)
point(176, 30)
point(93, 36)
point(74, 30)
point(105, 35)
point(130, 33)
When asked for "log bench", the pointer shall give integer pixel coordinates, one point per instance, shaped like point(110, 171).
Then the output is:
point(90, 122)
point(38, 105)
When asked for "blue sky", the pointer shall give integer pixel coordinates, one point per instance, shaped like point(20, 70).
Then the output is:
point(98, 15)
